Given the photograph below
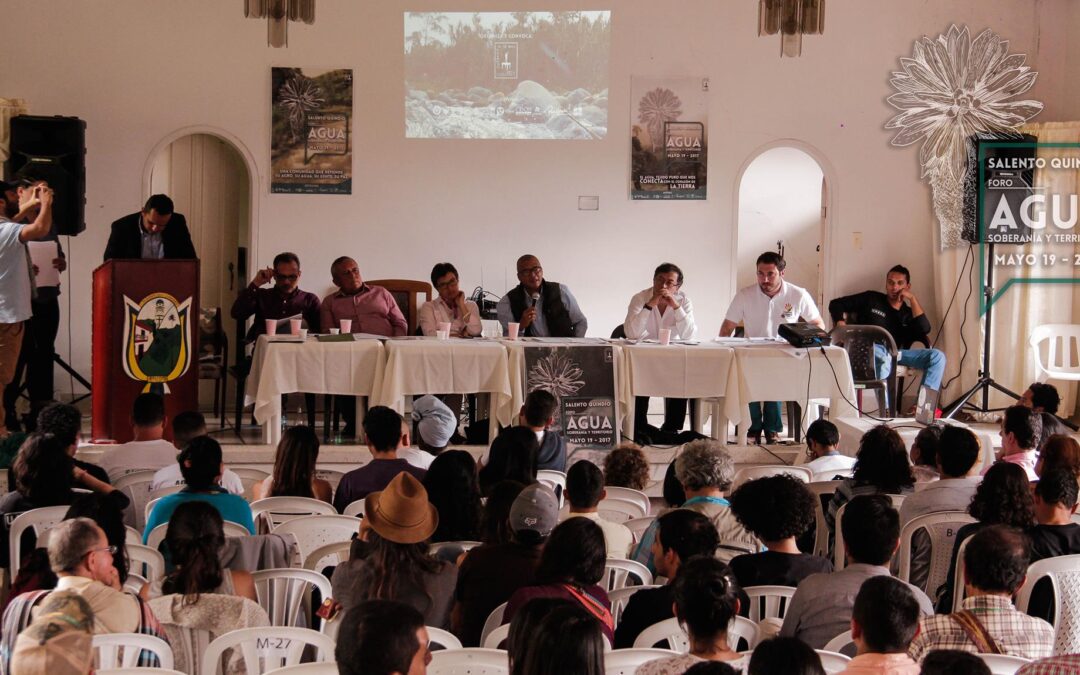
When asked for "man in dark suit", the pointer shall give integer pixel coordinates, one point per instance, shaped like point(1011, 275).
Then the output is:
point(154, 233)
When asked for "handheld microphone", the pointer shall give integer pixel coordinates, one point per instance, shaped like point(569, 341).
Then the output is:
point(535, 297)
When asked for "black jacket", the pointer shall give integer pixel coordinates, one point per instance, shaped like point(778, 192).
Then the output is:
point(125, 241)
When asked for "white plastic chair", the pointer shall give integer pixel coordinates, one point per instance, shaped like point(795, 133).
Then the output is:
point(132, 536)
point(321, 668)
point(330, 554)
point(556, 480)
point(277, 510)
point(629, 495)
point(833, 662)
point(1002, 664)
point(166, 491)
point(941, 527)
point(626, 661)
point(38, 520)
point(134, 582)
point(619, 510)
point(494, 620)
point(1064, 574)
point(266, 648)
point(1059, 364)
point(669, 629)
point(311, 532)
point(620, 597)
point(355, 509)
point(146, 562)
point(496, 637)
point(471, 661)
point(332, 476)
point(285, 594)
point(841, 642)
point(821, 528)
point(121, 650)
point(139, 671)
point(637, 526)
point(443, 638)
point(728, 549)
point(249, 476)
point(617, 574)
point(136, 485)
point(157, 535)
point(768, 602)
point(749, 473)
point(463, 545)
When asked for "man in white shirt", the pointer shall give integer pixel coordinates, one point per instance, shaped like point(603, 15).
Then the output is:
point(761, 309)
point(661, 306)
point(186, 426)
point(584, 490)
point(822, 441)
point(148, 450)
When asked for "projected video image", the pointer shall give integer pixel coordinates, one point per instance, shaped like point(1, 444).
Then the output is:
point(507, 75)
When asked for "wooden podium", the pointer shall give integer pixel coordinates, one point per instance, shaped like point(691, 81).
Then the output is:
point(145, 335)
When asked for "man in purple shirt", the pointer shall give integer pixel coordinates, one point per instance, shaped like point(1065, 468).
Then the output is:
point(283, 301)
point(370, 308)
point(385, 435)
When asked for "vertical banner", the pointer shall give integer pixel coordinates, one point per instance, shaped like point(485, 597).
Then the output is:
point(311, 133)
point(668, 138)
point(582, 379)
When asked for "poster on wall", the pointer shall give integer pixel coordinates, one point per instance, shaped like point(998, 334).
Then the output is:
point(311, 131)
point(668, 138)
point(582, 379)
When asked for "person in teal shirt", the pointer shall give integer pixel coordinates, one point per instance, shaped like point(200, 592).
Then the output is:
point(201, 465)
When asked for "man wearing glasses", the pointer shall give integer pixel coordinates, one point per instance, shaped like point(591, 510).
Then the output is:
point(282, 301)
point(542, 308)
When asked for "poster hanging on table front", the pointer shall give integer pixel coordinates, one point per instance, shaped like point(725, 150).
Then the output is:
point(668, 138)
point(311, 131)
point(582, 379)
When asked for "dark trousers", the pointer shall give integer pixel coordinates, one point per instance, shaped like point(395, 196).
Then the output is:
point(674, 413)
point(36, 356)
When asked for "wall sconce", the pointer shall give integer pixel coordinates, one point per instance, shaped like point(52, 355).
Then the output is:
point(278, 14)
point(792, 19)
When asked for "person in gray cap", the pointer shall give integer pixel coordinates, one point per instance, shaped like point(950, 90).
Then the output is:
point(491, 573)
point(434, 425)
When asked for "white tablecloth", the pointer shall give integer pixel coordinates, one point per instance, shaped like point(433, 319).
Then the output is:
point(314, 367)
point(852, 430)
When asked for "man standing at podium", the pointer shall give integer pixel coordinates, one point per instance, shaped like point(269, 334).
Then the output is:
point(15, 286)
point(155, 233)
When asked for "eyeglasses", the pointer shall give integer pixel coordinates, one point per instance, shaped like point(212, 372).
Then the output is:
point(286, 277)
point(446, 284)
point(111, 549)
point(531, 271)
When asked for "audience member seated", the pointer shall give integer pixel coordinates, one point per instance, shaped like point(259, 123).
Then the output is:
point(706, 602)
point(453, 490)
point(953, 662)
point(1066, 664)
point(822, 606)
point(382, 637)
point(1020, 432)
point(201, 466)
point(957, 455)
point(784, 656)
point(495, 521)
point(626, 466)
point(1060, 452)
point(704, 469)
point(294, 468)
point(776, 510)
point(450, 306)
point(571, 566)
point(64, 421)
point(584, 490)
point(390, 561)
point(554, 637)
point(823, 453)
point(538, 413)
point(1055, 503)
point(883, 621)
point(1043, 398)
point(194, 538)
point(44, 476)
point(924, 453)
point(434, 424)
point(493, 572)
point(671, 489)
point(148, 450)
point(59, 640)
point(385, 437)
point(681, 534)
point(1002, 498)
point(512, 456)
point(881, 467)
point(186, 426)
point(995, 565)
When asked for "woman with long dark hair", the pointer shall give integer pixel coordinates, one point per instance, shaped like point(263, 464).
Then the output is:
point(294, 468)
point(110, 518)
point(881, 467)
point(453, 490)
point(494, 523)
point(194, 538)
point(550, 636)
point(390, 561)
point(512, 456)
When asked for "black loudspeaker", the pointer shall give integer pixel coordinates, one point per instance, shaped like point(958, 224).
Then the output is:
point(53, 149)
point(1008, 172)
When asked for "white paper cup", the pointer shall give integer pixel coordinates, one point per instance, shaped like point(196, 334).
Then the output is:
point(442, 334)
point(294, 326)
point(444, 326)
point(665, 336)
point(346, 325)
point(335, 331)
point(271, 327)
point(303, 333)
point(512, 330)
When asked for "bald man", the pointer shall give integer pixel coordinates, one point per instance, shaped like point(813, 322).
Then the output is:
point(542, 308)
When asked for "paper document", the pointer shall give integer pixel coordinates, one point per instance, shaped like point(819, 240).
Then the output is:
point(42, 254)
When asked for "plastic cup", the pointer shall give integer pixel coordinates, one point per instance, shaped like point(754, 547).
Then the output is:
point(335, 331)
point(665, 336)
point(303, 333)
point(271, 327)
point(346, 325)
point(294, 326)
point(442, 334)
point(512, 330)
point(444, 326)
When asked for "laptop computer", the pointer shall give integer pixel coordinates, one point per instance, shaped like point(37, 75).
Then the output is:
point(926, 407)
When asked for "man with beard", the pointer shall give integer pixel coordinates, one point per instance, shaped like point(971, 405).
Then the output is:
point(30, 202)
point(542, 308)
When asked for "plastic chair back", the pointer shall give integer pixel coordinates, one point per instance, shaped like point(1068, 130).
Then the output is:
point(443, 638)
point(637, 526)
point(768, 602)
point(858, 341)
point(37, 520)
point(122, 650)
point(136, 485)
point(941, 527)
point(618, 573)
point(833, 662)
point(248, 477)
point(626, 661)
point(472, 661)
point(311, 532)
point(494, 620)
point(630, 495)
point(321, 668)
point(619, 510)
point(1064, 575)
point(276, 510)
point(1002, 664)
point(285, 594)
point(330, 554)
point(669, 629)
point(1063, 341)
point(146, 562)
point(266, 648)
point(749, 473)
point(841, 643)
point(823, 490)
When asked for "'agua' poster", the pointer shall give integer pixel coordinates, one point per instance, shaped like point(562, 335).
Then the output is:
point(582, 379)
point(310, 138)
point(668, 138)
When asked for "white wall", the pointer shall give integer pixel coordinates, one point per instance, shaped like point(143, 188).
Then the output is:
point(139, 70)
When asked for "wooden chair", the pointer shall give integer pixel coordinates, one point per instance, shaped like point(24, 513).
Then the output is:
point(405, 292)
point(214, 356)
